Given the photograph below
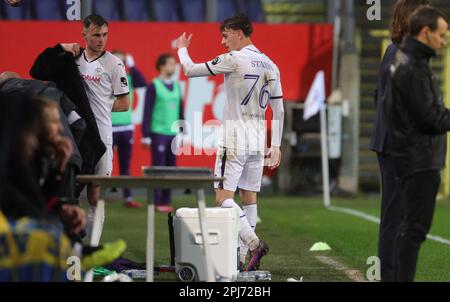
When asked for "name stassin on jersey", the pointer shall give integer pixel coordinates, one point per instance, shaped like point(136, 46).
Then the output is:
point(261, 64)
point(87, 77)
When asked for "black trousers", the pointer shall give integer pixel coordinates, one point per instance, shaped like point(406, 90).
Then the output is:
point(419, 199)
point(391, 217)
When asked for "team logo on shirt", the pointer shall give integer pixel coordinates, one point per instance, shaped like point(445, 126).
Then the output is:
point(123, 82)
point(216, 61)
point(98, 70)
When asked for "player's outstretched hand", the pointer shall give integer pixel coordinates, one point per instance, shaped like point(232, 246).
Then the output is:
point(183, 41)
point(273, 158)
point(73, 48)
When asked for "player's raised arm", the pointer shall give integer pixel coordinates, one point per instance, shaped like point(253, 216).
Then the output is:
point(220, 65)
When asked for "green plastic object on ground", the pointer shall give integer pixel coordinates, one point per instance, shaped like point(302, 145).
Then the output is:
point(320, 246)
point(102, 272)
point(106, 254)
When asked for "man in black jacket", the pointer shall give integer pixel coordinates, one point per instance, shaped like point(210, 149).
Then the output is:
point(417, 122)
point(391, 214)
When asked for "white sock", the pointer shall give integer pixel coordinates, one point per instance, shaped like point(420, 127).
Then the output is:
point(246, 232)
point(89, 226)
point(251, 212)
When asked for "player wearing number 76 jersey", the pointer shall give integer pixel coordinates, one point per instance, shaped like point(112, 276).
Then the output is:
point(252, 83)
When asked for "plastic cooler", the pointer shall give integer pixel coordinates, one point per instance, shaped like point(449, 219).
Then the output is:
point(223, 229)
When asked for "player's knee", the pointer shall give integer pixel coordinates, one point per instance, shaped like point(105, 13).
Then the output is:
point(92, 202)
point(222, 195)
point(93, 195)
point(248, 197)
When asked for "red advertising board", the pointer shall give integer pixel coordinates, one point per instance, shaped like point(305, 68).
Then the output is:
point(299, 50)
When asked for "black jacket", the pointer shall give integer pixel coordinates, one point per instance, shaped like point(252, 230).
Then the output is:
point(380, 141)
point(54, 64)
point(417, 118)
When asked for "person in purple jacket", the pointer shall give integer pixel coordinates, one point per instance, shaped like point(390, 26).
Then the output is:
point(163, 107)
point(123, 127)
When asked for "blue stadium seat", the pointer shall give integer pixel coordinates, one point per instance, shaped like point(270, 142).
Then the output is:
point(225, 9)
point(252, 8)
point(48, 9)
point(165, 10)
point(136, 10)
point(16, 13)
point(108, 9)
point(192, 10)
point(179, 10)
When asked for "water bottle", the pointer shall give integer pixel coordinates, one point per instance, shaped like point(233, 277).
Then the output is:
point(135, 273)
point(254, 276)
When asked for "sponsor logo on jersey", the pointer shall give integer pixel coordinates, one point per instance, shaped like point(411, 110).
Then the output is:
point(90, 78)
point(216, 61)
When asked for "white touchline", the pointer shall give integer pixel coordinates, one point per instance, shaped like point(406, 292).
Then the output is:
point(377, 220)
point(353, 274)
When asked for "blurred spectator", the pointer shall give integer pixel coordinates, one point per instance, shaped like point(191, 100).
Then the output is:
point(33, 158)
point(14, 2)
point(123, 125)
point(37, 250)
point(16, 9)
point(73, 125)
point(34, 9)
point(163, 106)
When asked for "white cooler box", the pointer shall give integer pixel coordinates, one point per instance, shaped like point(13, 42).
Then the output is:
point(223, 229)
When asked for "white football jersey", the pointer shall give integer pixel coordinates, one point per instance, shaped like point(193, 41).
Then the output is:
point(252, 80)
point(104, 79)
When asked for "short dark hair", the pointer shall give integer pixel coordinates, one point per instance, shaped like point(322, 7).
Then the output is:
point(162, 60)
point(402, 11)
point(94, 19)
point(425, 16)
point(239, 21)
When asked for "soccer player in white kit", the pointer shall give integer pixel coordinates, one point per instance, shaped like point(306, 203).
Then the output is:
point(252, 82)
point(105, 82)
